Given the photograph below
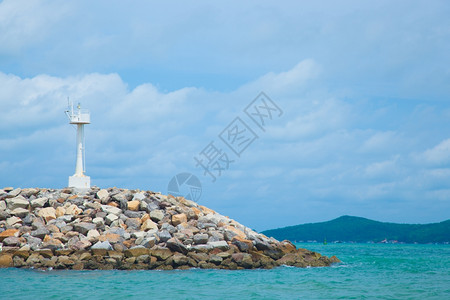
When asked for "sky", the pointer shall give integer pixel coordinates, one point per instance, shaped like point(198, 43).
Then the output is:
point(355, 103)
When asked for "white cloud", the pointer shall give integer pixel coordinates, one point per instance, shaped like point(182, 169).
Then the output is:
point(438, 155)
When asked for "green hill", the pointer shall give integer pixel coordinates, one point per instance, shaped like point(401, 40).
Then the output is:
point(356, 229)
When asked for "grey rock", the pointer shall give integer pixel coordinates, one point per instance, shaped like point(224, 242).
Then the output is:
point(20, 212)
point(148, 242)
point(215, 236)
point(151, 206)
point(2, 205)
point(11, 241)
point(202, 225)
point(222, 245)
point(120, 231)
point(215, 259)
point(156, 215)
point(13, 221)
point(102, 245)
point(139, 196)
point(133, 223)
point(4, 215)
point(110, 218)
point(169, 228)
point(200, 238)
point(66, 218)
point(17, 202)
point(111, 210)
point(133, 214)
point(261, 245)
point(34, 242)
point(28, 219)
point(103, 195)
point(14, 193)
point(40, 232)
point(175, 245)
point(83, 227)
point(164, 235)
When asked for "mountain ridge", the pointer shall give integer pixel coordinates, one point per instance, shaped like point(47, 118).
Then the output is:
point(359, 229)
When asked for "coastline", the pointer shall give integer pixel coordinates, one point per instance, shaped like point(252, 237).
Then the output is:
point(131, 229)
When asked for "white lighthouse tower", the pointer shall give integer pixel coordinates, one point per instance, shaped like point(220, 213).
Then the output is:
point(80, 117)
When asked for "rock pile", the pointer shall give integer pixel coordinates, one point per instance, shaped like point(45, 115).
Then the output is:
point(131, 229)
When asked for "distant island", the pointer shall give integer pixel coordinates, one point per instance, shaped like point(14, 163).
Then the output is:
point(362, 230)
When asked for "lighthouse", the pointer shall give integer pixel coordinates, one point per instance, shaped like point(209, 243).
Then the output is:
point(79, 117)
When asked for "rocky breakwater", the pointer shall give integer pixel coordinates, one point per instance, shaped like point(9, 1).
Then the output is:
point(131, 229)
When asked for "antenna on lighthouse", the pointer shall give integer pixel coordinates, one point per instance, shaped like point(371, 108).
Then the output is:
point(80, 117)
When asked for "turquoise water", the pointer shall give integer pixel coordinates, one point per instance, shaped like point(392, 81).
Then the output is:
point(368, 271)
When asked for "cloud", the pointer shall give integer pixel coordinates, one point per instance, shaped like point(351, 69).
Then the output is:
point(438, 155)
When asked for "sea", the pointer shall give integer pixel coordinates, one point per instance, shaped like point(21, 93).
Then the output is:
point(367, 271)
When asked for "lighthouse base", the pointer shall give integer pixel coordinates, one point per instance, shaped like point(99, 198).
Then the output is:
point(80, 182)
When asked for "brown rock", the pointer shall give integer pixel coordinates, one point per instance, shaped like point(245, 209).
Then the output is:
point(48, 213)
point(22, 253)
point(161, 254)
point(6, 261)
point(60, 211)
point(206, 210)
point(135, 252)
point(110, 237)
point(129, 243)
point(234, 232)
point(148, 225)
point(243, 244)
point(178, 219)
point(46, 253)
point(287, 247)
point(133, 205)
point(9, 233)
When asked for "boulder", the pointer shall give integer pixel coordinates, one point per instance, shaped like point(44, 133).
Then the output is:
point(52, 244)
point(48, 213)
point(175, 245)
point(178, 219)
point(164, 235)
point(136, 251)
point(111, 210)
point(161, 254)
point(111, 218)
point(9, 233)
point(6, 260)
point(243, 244)
point(93, 234)
point(17, 202)
point(102, 245)
point(215, 259)
point(12, 241)
point(39, 202)
point(180, 260)
point(133, 205)
point(83, 227)
point(149, 225)
point(157, 215)
point(60, 211)
point(201, 238)
point(222, 245)
point(14, 193)
point(40, 232)
point(102, 195)
point(13, 221)
point(73, 210)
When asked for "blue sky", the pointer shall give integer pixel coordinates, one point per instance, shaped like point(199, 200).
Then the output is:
point(363, 86)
